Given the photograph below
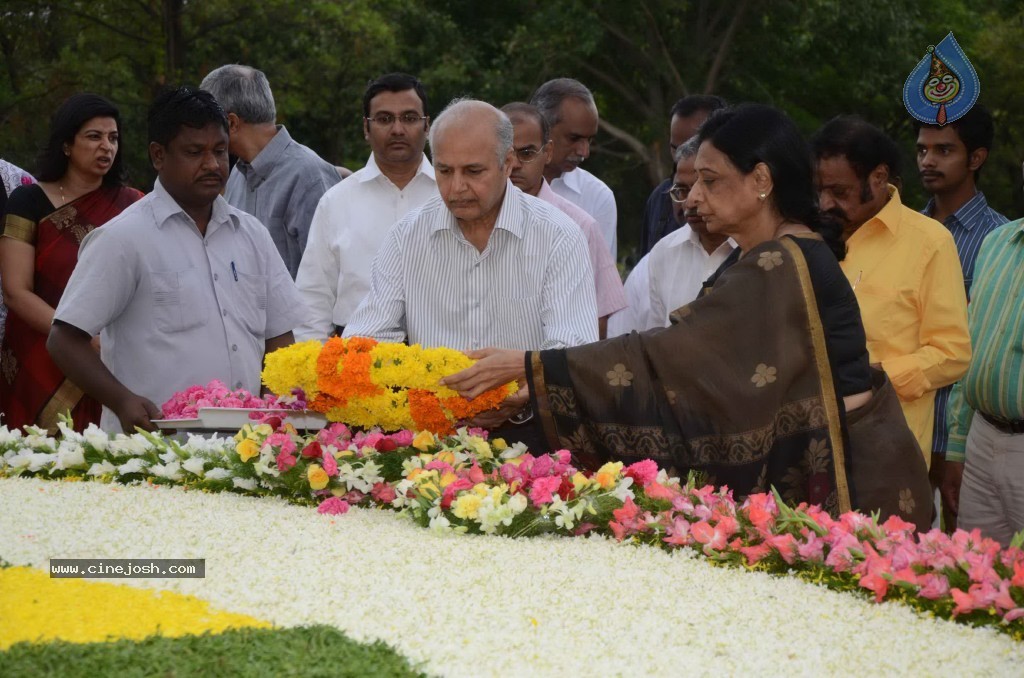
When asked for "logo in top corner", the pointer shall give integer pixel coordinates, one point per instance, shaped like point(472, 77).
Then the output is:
point(943, 86)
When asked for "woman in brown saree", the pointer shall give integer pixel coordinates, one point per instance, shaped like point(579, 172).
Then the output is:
point(755, 383)
point(81, 186)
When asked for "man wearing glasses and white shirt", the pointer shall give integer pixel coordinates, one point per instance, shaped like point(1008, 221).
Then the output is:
point(531, 141)
point(672, 274)
point(354, 218)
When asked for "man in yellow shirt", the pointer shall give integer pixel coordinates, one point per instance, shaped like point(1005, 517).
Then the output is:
point(903, 267)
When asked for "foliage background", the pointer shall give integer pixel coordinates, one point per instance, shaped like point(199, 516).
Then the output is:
point(815, 59)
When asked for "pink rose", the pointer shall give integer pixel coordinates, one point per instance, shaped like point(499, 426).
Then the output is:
point(383, 493)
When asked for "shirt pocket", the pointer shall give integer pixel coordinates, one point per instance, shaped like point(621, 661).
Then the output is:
point(890, 314)
point(178, 300)
point(250, 301)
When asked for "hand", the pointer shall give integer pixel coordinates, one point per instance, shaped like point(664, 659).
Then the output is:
point(95, 343)
point(136, 411)
point(494, 367)
point(952, 476)
point(509, 406)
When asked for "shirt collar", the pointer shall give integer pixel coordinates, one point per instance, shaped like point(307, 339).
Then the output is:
point(263, 164)
point(372, 170)
point(693, 238)
point(573, 180)
point(511, 216)
point(967, 215)
point(545, 191)
point(890, 215)
point(164, 207)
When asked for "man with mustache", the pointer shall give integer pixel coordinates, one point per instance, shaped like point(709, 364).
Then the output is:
point(354, 217)
point(569, 108)
point(685, 118)
point(276, 179)
point(182, 287)
point(949, 159)
point(482, 264)
point(531, 142)
point(671, 275)
point(903, 267)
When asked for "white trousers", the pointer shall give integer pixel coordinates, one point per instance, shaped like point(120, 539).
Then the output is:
point(992, 492)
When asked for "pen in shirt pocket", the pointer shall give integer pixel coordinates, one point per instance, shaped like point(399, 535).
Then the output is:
point(234, 271)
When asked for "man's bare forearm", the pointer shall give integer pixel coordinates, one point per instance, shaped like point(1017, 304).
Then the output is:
point(73, 353)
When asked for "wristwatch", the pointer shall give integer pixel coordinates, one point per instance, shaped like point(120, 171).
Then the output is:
point(522, 416)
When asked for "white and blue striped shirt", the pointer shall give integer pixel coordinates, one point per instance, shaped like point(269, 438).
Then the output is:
point(969, 226)
point(531, 288)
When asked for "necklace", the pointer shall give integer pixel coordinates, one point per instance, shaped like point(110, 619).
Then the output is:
point(62, 200)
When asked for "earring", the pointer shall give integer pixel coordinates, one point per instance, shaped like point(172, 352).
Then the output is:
point(762, 196)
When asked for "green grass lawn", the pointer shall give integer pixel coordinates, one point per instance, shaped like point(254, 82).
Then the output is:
point(308, 651)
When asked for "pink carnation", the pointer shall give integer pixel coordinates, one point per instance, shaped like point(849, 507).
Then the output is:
point(541, 489)
point(403, 438)
point(333, 506)
point(643, 472)
point(383, 493)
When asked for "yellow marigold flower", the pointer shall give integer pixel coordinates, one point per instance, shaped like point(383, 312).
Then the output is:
point(291, 367)
point(467, 506)
point(423, 441)
point(317, 477)
point(247, 449)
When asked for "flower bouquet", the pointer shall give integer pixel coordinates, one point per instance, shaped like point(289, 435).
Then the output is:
point(363, 383)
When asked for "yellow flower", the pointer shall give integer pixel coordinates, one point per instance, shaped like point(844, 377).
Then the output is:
point(447, 456)
point(607, 474)
point(500, 444)
point(580, 481)
point(423, 441)
point(467, 506)
point(429, 490)
point(263, 430)
point(243, 432)
point(293, 366)
point(448, 478)
point(247, 449)
point(481, 447)
point(317, 477)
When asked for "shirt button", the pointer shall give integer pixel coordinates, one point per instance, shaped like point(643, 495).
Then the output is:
point(216, 277)
point(234, 347)
point(225, 312)
point(476, 305)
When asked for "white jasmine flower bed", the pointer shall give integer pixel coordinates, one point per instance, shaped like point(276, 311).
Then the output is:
point(478, 605)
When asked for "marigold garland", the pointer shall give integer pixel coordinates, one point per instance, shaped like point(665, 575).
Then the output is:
point(361, 382)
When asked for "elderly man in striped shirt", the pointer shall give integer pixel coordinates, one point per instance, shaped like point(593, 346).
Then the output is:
point(482, 264)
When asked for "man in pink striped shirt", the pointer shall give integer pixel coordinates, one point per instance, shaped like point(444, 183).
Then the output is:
point(532, 146)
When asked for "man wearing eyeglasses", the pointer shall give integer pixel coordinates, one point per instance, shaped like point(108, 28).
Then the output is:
point(685, 118)
point(276, 179)
point(671, 275)
point(354, 218)
point(531, 142)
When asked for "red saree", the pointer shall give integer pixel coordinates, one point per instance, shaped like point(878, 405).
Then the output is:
point(32, 389)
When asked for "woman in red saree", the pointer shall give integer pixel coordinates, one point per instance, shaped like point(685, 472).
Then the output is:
point(763, 382)
point(81, 187)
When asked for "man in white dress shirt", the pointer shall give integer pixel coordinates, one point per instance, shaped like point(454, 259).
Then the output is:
point(672, 274)
point(569, 108)
point(482, 264)
point(532, 146)
point(354, 218)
